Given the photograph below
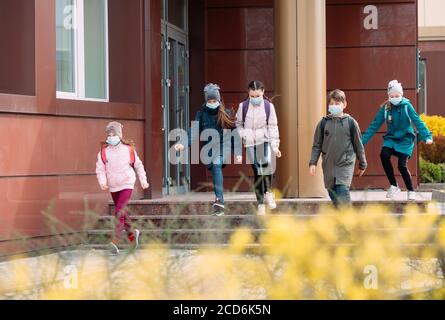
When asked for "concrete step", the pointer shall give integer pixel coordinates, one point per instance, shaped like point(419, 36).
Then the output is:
point(248, 207)
point(167, 221)
point(183, 221)
point(219, 236)
point(176, 246)
point(173, 236)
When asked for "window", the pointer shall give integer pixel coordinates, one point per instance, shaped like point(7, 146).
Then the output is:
point(175, 12)
point(82, 49)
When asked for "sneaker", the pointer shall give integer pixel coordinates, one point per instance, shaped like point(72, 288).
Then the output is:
point(411, 196)
point(114, 249)
point(392, 191)
point(261, 211)
point(137, 233)
point(270, 200)
point(218, 208)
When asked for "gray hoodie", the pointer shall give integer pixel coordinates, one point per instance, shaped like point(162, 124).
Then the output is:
point(338, 150)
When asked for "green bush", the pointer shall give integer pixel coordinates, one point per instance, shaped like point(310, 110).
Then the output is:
point(431, 172)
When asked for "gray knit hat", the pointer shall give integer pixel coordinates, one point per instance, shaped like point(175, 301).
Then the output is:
point(395, 86)
point(114, 127)
point(211, 91)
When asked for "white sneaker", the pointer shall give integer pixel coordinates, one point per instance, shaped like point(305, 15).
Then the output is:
point(261, 211)
point(270, 200)
point(137, 233)
point(411, 196)
point(114, 249)
point(392, 191)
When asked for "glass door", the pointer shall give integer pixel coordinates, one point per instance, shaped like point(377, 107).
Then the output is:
point(175, 93)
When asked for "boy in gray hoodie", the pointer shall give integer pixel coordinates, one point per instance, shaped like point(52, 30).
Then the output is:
point(338, 139)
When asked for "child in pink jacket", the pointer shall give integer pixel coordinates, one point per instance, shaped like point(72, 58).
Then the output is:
point(115, 169)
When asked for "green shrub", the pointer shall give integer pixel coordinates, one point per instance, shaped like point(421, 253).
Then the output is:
point(431, 172)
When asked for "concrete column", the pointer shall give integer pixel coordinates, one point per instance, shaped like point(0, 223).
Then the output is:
point(300, 81)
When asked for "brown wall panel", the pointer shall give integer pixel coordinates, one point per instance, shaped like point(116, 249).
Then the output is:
point(371, 68)
point(233, 70)
point(239, 3)
point(244, 28)
point(345, 26)
point(17, 62)
point(125, 50)
point(55, 145)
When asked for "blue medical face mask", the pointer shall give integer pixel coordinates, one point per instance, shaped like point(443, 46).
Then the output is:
point(335, 109)
point(256, 101)
point(213, 105)
point(395, 101)
point(113, 140)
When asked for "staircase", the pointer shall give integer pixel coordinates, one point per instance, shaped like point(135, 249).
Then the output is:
point(188, 224)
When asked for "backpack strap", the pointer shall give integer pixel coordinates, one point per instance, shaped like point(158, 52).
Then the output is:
point(267, 109)
point(132, 155)
point(245, 110)
point(103, 154)
point(407, 114)
point(322, 126)
point(246, 104)
point(352, 129)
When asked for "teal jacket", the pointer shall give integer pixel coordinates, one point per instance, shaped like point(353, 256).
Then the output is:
point(400, 134)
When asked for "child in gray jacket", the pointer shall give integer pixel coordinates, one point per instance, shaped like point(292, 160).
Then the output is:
point(338, 139)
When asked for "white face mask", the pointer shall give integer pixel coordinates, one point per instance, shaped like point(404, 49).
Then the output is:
point(395, 101)
point(336, 109)
point(213, 105)
point(113, 140)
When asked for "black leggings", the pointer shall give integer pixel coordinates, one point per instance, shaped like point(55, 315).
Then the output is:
point(385, 156)
point(263, 184)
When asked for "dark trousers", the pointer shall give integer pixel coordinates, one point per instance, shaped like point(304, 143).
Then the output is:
point(120, 200)
point(340, 195)
point(262, 166)
point(385, 157)
point(262, 184)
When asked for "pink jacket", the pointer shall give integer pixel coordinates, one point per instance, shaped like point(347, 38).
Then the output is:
point(118, 173)
point(255, 130)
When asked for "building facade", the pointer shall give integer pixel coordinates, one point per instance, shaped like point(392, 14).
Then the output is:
point(67, 67)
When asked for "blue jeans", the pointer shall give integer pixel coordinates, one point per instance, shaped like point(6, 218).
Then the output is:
point(217, 177)
point(340, 196)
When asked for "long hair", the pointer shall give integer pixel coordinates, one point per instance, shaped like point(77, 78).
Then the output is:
point(225, 120)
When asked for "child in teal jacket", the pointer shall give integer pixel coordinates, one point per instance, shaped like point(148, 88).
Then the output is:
point(399, 115)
